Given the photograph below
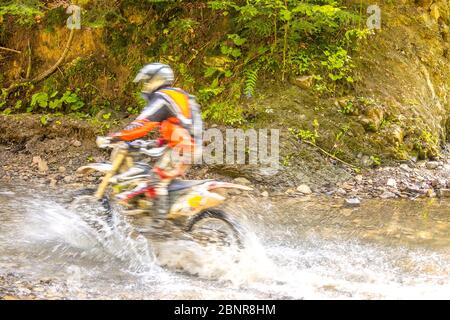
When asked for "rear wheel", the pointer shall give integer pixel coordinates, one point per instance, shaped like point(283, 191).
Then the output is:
point(215, 227)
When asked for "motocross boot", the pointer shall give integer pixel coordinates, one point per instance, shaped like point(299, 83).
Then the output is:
point(162, 201)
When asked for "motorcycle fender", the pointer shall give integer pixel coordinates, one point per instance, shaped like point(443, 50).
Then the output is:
point(101, 167)
point(227, 185)
point(193, 203)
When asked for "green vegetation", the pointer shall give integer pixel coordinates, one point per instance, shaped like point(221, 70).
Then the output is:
point(304, 56)
point(258, 39)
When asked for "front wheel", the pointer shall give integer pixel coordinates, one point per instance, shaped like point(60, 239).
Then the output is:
point(215, 227)
point(89, 207)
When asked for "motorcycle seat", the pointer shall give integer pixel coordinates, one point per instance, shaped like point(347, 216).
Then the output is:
point(178, 185)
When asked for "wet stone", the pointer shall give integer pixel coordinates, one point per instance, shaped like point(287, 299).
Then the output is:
point(352, 202)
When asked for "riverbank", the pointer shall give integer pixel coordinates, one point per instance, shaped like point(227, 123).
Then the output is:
point(49, 155)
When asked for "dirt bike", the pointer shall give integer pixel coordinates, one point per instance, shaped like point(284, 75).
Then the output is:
point(193, 204)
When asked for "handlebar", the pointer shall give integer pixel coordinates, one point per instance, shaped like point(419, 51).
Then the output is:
point(147, 147)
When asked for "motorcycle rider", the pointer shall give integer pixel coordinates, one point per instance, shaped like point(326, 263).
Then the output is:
point(177, 115)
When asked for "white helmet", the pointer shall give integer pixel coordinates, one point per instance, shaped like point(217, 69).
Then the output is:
point(155, 76)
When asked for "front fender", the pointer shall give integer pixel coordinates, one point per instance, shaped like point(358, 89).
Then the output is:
point(101, 167)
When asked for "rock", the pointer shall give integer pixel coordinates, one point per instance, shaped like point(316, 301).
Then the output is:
point(431, 165)
point(265, 194)
point(395, 134)
point(391, 183)
point(352, 202)
point(388, 195)
point(447, 167)
point(304, 82)
point(68, 179)
point(305, 189)
point(53, 183)
point(77, 143)
point(42, 166)
point(366, 161)
point(61, 169)
point(444, 193)
point(405, 167)
point(289, 191)
point(372, 119)
point(36, 159)
point(242, 181)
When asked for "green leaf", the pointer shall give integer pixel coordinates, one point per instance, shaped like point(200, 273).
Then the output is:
point(39, 99)
point(18, 105)
point(55, 104)
point(236, 53)
point(286, 15)
point(237, 40)
point(44, 120)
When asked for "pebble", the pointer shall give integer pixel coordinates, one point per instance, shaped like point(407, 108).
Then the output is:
point(42, 166)
point(431, 165)
point(405, 167)
point(77, 143)
point(53, 183)
point(352, 202)
point(68, 179)
point(391, 183)
point(444, 193)
point(388, 195)
point(61, 169)
point(305, 189)
point(265, 194)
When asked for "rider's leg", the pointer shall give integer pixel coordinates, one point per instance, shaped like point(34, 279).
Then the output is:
point(167, 170)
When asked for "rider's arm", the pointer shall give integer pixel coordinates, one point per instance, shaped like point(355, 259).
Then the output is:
point(137, 129)
point(156, 111)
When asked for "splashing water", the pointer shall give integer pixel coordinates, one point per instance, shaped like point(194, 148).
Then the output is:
point(292, 257)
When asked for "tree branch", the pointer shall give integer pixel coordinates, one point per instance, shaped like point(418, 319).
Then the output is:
point(47, 73)
point(10, 50)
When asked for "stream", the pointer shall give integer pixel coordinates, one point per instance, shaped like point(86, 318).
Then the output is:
point(297, 248)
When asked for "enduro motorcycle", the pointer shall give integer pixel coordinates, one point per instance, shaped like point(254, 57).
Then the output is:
point(193, 203)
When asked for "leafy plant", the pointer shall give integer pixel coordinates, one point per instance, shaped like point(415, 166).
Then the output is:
point(251, 77)
point(376, 160)
point(69, 101)
point(223, 112)
point(24, 11)
point(347, 108)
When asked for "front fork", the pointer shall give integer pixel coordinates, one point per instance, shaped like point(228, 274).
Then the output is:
point(116, 165)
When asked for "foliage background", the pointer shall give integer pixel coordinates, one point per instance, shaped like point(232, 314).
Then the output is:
point(310, 66)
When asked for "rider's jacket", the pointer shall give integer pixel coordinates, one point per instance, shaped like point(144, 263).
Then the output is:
point(175, 112)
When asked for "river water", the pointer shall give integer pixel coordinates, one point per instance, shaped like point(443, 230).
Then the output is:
point(297, 248)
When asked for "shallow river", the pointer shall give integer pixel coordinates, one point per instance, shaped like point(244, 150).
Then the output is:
point(304, 248)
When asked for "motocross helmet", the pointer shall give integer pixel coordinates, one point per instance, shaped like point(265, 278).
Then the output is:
point(155, 76)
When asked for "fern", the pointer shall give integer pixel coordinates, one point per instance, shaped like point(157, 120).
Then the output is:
point(251, 78)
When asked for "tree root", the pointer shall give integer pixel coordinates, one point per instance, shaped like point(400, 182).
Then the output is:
point(45, 74)
point(357, 169)
point(10, 50)
point(28, 75)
